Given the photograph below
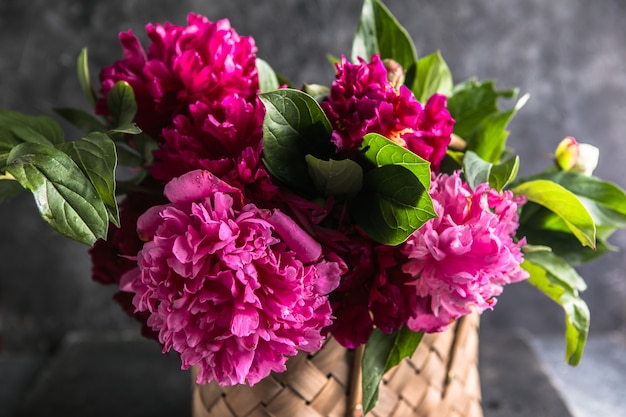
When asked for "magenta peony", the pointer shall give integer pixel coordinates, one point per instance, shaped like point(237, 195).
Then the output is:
point(461, 260)
point(224, 137)
point(362, 100)
point(222, 287)
point(204, 61)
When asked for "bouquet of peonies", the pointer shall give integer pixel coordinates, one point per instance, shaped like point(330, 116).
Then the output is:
point(257, 218)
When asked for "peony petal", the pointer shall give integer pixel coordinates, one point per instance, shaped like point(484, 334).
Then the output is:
point(196, 185)
point(245, 321)
point(299, 241)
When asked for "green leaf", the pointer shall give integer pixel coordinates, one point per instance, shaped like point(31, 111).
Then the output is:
point(377, 150)
point(489, 139)
point(24, 128)
point(472, 101)
point(84, 121)
point(433, 76)
point(595, 189)
point(541, 226)
point(267, 77)
point(342, 178)
point(294, 126)
point(95, 155)
point(383, 352)
point(605, 202)
point(64, 195)
point(131, 129)
point(392, 204)
point(559, 268)
point(605, 219)
point(82, 66)
point(576, 310)
point(378, 32)
point(394, 201)
point(477, 170)
point(26, 134)
point(10, 189)
point(563, 203)
point(503, 174)
point(122, 104)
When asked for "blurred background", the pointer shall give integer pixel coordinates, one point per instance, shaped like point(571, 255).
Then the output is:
point(569, 55)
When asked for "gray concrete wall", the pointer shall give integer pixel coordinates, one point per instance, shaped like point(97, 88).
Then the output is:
point(569, 55)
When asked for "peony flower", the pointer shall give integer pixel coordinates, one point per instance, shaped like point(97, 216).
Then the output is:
point(203, 61)
point(373, 292)
point(222, 286)
point(461, 260)
point(362, 100)
point(224, 137)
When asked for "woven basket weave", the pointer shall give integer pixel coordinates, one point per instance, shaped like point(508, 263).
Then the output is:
point(440, 380)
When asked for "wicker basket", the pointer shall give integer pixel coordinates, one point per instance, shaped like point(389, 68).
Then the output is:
point(440, 380)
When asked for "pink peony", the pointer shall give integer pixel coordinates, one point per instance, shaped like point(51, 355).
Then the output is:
point(362, 100)
point(221, 285)
point(461, 260)
point(204, 61)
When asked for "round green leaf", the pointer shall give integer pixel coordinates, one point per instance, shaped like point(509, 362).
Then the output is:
point(392, 204)
point(377, 150)
point(294, 126)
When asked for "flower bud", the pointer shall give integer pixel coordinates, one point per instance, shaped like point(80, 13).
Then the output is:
point(395, 72)
point(573, 156)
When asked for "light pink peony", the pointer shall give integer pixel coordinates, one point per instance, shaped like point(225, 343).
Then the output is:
point(362, 100)
point(203, 61)
point(222, 287)
point(461, 260)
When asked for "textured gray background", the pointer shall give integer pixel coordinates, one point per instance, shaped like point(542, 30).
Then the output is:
point(568, 54)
